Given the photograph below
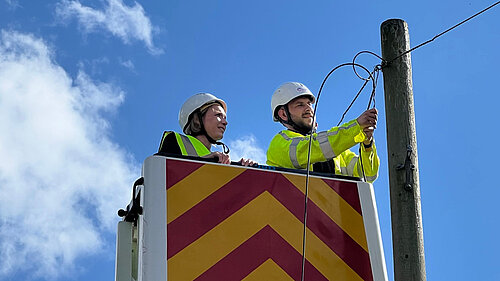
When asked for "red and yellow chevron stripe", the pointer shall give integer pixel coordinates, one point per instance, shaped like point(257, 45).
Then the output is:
point(230, 223)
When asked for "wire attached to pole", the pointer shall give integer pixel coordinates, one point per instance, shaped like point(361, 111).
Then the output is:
point(444, 32)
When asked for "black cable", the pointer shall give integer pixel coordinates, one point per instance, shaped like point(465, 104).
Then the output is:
point(306, 195)
point(444, 32)
point(352, 102)
point(376, 72)
point(365, 52)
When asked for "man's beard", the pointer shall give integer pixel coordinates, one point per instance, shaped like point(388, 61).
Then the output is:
point(302, 127)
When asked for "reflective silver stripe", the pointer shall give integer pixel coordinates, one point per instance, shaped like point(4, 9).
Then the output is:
point(350, 166)
point(332, 133)
point(191, 151)
point(340, 128)
point(293, 153)
point(348, 127)
point(343, 171)
point(325, 146)
point(287, 138)
point(372, 178)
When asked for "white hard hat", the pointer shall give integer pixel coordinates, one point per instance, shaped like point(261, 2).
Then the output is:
point(195, 102)
point(287, 92)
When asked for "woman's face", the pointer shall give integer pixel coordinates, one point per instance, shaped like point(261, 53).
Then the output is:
point(215, 121)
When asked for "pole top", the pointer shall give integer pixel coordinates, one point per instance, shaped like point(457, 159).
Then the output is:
point(393, 21)
point(396, 24)
point(395, 30)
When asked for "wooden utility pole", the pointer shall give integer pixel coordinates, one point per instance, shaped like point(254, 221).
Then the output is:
point(407, 232)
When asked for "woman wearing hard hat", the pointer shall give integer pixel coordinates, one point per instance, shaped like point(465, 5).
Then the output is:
point(203, 119)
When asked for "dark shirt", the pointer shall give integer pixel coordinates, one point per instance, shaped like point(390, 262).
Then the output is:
point(325, 167)
point(169, 144)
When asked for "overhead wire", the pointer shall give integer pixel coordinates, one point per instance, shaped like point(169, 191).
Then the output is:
point(444, 32)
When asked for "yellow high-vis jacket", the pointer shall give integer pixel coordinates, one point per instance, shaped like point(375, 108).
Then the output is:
point(175, 143)
point(288, 149)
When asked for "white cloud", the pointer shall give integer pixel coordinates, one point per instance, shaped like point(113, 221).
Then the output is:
point(93, 66)
point(61, 178)
point(247, 147)
point(128, 64)
point(13, 4)
point(122, 21)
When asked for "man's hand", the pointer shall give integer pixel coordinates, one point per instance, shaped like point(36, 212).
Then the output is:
point(368, 122)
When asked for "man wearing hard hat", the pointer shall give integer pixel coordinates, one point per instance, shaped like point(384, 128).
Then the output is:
point(203, 119)
point(291, 105)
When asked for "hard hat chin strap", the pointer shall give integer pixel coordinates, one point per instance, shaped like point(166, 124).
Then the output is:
point(225, 148)
point(301, 129)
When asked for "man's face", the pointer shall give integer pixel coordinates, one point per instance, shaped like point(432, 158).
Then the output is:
point(215, 121)
point(301, 112)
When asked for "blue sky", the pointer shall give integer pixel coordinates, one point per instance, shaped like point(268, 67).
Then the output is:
point(87, 88)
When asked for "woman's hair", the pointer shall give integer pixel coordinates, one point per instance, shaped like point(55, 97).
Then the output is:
point(194, 125)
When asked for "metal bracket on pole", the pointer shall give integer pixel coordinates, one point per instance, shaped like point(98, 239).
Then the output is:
point(409, 167)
